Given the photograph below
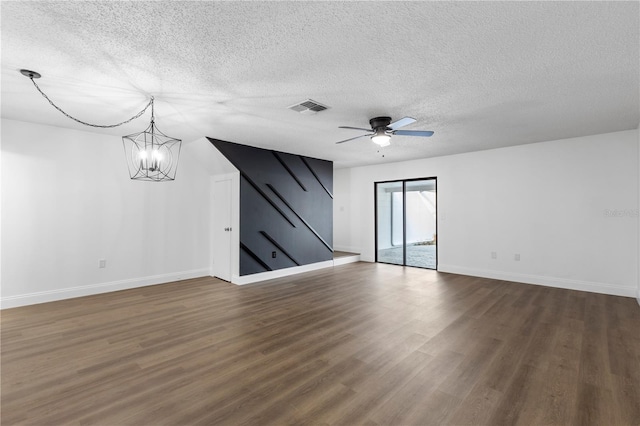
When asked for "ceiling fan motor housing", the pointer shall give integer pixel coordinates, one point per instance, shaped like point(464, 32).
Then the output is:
point(378, 122)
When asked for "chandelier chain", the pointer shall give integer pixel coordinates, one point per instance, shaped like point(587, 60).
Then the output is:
point(90, 124)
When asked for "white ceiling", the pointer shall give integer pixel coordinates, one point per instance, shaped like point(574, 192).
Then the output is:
point(481, 75)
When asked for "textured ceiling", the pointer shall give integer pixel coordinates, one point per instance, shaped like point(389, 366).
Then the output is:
point(481, 75)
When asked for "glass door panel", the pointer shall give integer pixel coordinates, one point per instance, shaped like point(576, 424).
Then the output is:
point(421, 229)
point(390, 223)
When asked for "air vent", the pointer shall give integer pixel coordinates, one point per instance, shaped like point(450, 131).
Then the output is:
point(308, 107)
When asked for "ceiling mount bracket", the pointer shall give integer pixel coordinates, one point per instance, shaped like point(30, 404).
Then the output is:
point(30, 74)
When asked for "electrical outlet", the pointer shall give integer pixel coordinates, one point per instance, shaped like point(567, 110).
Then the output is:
point(273, 254)
point(494, 255)
point(517, 256)
point(102, 263)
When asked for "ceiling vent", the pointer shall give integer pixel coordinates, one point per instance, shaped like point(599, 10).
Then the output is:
point(308, 107)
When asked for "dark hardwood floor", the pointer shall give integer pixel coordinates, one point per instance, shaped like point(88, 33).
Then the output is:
point(362, 343)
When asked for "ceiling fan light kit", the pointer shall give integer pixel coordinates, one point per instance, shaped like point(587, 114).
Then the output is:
point(151, 155)
point(381, 138)
point(382, 129)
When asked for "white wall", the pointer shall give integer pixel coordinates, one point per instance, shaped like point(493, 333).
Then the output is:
point(547, 202)
point(67, 201)
point(342, 232)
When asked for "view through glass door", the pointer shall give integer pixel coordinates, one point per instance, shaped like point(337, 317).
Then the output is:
point(406, 223)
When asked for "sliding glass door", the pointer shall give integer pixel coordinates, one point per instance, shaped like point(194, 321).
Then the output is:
point(406, 222)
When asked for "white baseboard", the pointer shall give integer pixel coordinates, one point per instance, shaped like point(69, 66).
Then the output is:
point(593, 287)
point(263, 276)
point(91, 289)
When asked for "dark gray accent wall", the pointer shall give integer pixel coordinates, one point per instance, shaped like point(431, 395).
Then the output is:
point(286, 207)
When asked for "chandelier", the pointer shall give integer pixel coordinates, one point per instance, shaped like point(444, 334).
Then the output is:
point(151, 155)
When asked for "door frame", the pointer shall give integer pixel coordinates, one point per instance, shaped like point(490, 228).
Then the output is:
point(404, 220)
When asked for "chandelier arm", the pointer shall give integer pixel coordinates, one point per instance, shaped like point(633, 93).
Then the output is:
point(90, 124)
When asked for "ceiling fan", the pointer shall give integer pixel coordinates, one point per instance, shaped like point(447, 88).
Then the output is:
point(382, 129)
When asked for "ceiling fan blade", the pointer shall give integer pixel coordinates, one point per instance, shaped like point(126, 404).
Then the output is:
point(401, 123)
point(423, 133)
point(357, 137)
point(354, 128)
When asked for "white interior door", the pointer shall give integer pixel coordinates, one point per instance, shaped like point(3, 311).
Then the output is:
point(222, 229)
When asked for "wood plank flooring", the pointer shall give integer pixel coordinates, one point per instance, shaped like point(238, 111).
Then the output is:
point(358, 344)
